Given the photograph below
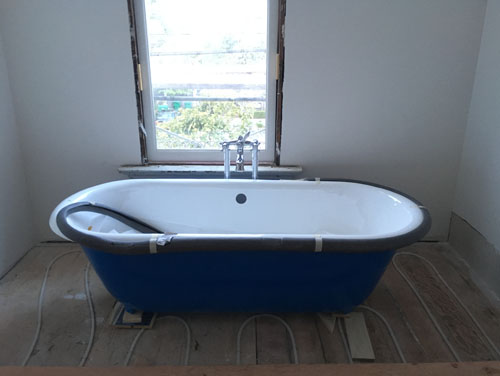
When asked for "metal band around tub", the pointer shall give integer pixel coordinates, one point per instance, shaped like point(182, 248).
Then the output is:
point(95, 241)
point(160, 242)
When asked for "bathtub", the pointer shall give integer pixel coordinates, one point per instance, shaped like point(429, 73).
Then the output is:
point(240, 245)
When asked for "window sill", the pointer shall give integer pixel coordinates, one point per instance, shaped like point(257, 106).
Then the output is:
point(206, 172)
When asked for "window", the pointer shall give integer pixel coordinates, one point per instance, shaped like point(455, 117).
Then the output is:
point(208, 73)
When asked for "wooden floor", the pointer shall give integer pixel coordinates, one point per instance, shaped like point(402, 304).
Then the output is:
point(66, 326)
point(427, 369)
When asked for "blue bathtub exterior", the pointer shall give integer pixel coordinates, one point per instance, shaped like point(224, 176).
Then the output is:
point(240, 281)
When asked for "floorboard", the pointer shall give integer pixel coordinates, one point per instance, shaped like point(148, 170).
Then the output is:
point(214, 339)
point(453, 320)
point(435, 350)
point(273, 342)
point(307, 336)
point(433, 369)
point(385, 352)
point(163, 345)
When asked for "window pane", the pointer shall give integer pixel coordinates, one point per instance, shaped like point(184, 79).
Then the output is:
point(208, 64)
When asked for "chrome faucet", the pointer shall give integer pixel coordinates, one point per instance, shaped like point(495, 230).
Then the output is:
point(240, 144)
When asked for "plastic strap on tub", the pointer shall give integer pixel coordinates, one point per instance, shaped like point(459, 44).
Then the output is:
point(318, 243)
point(152, 243)
point(158, 240)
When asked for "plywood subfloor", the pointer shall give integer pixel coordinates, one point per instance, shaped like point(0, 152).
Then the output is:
point(65, 330)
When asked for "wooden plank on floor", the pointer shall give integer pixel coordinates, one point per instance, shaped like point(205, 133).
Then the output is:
point(273, 343)
point(19, 292)
point(110, 344)
point(358, 337)
point(458, 275)
point(329, 320)
point(433, 369)
point(66, 325)
point(165, 344)
point(214, 339)
point(435, 350)
point(331, 344)
point(385, 351)
point(456, 325)
point(306, 335)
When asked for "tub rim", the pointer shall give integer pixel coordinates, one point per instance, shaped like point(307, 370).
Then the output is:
point(161, 243)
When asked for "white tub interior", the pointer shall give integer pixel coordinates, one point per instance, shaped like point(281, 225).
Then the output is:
point(332, 209)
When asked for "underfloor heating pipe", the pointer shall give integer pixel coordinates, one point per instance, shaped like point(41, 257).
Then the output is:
point(40, 307)
point(141, 332)
point(489, 343)
point(283, 322)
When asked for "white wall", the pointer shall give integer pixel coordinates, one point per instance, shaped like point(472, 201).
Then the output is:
point(73, 89)
point(379, 90)
point(478, 190)
point(15, 221)
point(374, 89)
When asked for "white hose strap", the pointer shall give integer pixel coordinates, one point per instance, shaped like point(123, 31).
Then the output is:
point(164, 239)
point(159, 240)
point(318, 243)
point(152, 244)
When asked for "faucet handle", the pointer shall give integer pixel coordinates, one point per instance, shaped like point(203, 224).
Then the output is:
point(244, 138)
point(241, 140)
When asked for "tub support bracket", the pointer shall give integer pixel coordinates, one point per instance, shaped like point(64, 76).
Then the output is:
point(137, 320)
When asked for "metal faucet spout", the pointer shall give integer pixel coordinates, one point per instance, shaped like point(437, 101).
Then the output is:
point(240, 145)
point(240, 149)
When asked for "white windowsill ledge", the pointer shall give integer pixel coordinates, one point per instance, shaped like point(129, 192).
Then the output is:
point(207, 172)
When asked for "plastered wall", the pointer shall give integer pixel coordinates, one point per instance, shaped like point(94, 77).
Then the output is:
point(478, 188)
point(16, 229)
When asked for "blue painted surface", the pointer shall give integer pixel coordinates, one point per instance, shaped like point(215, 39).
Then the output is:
point(240, 281)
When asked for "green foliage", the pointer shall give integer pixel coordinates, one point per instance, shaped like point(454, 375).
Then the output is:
point(259, 115)
point(207, 124)
point(173, 92)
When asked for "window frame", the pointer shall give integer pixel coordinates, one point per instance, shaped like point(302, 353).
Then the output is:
point(144, 93)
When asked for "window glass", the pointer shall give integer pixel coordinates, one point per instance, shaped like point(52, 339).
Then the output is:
point(208, 66)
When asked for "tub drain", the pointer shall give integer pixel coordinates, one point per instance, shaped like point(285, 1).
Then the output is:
point(241, 198)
